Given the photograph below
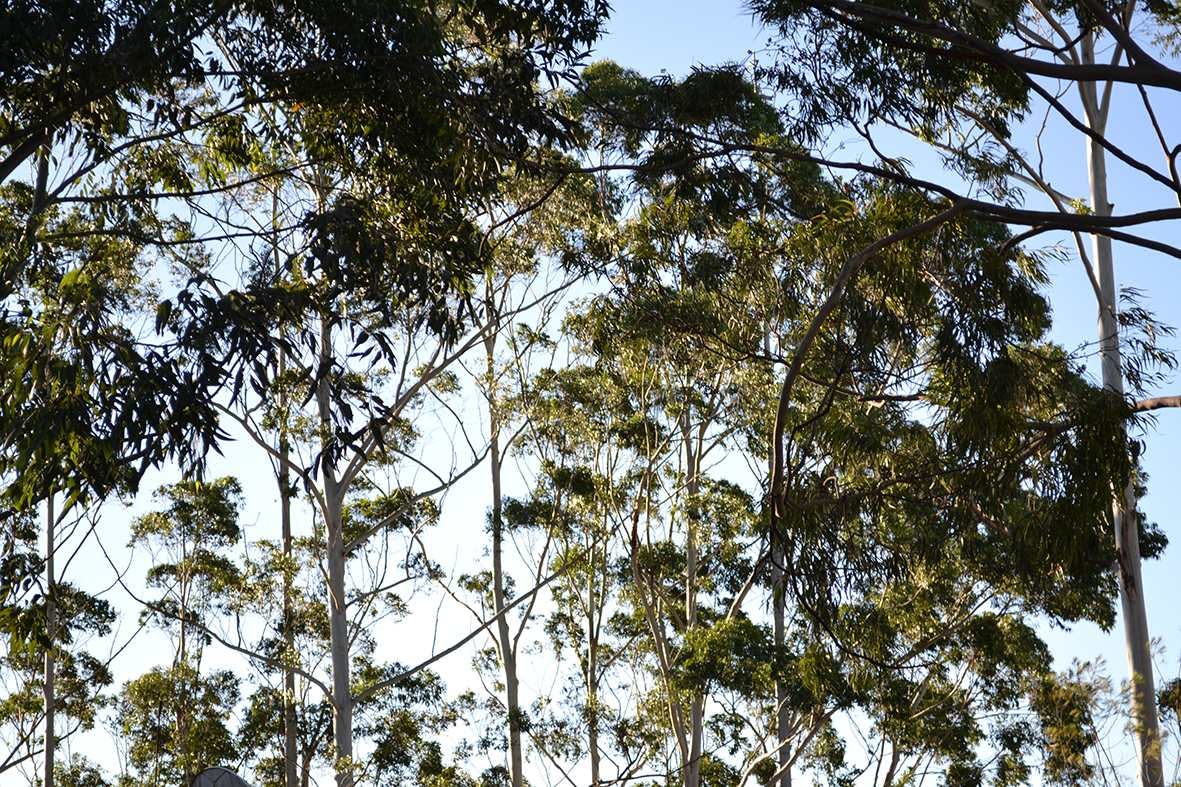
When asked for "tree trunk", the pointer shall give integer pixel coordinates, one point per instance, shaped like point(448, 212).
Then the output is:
point(592, 680)
point(1123, 505)
point(692, 768)
point(185, 754)
point(51, 635)
point(305, 768)
point(290, 725)
point(779, 623)
point(508, 656)
point(342, 700)
point(778, 619)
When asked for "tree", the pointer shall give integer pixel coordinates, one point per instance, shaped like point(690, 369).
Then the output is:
point(798, 470)
point(937, 313)
point(963, 82)
point(160, 748)
point(51, 678)
point(580, 430)
point(133, 86)
point(542, 250)
point(189, 539)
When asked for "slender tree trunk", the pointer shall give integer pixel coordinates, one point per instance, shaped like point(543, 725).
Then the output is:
point(592, 720)
point(1123, 506)
point(692, 768)
point(342, 700)
point(51, 635)
point(290, 723)
point(888, 779)
point(592, 678)
point(305, 768)
point(508, 655)
point(185, 755)
point(779, 624)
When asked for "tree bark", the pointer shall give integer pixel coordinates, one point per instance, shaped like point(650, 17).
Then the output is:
point(778, 622)
point(1123, 505)
point(51, 636)
point(290, 723)
point(592, 677)
point(342, 700)
point(692, 769)
point(505, 644)
point(185, 753)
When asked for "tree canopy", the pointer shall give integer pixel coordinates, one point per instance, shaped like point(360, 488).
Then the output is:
point(400, 393)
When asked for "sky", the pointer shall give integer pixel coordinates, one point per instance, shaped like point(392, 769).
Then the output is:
point(674, 36)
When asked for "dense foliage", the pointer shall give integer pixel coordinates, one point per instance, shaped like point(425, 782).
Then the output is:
point(577, 425)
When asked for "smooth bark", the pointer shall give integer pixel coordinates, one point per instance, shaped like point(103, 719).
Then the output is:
point(1123, 505)
point(342, 700)
point(779, 628)
point(592, 675)
point(692, 768)
point(290, 722)
point(504, 639)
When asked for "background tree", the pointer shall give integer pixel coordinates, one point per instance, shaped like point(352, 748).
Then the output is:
point(176, 715)
point(963, 81)
point(53, 683)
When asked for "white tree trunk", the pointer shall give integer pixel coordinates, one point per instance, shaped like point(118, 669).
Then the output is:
point(1123, 505)
point(592, 714)
point(592, 672)
point(508, 656)
point(779, 611)
point(504, 639)
point(342, 700)
point(692, 768)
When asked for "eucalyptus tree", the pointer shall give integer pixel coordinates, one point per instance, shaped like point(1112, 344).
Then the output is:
point(371, 297)
point(159, 749)
point(80, 772)
point(289, 714)
point(52, 682)
point(582, 432)
point(975, 83)
point(102, 105)
point(370, 356)
point(681, 276)
point(933, 424)
point(191, 539)
point(366, 516)
point(37, 656)
point(175, 715)
point(544, 236)
point(286, 727)
point(119, 143)
point(922, 403)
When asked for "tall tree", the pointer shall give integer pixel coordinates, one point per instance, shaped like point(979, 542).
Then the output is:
point(53, 684)
point(189, 539)
point(964, 81)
